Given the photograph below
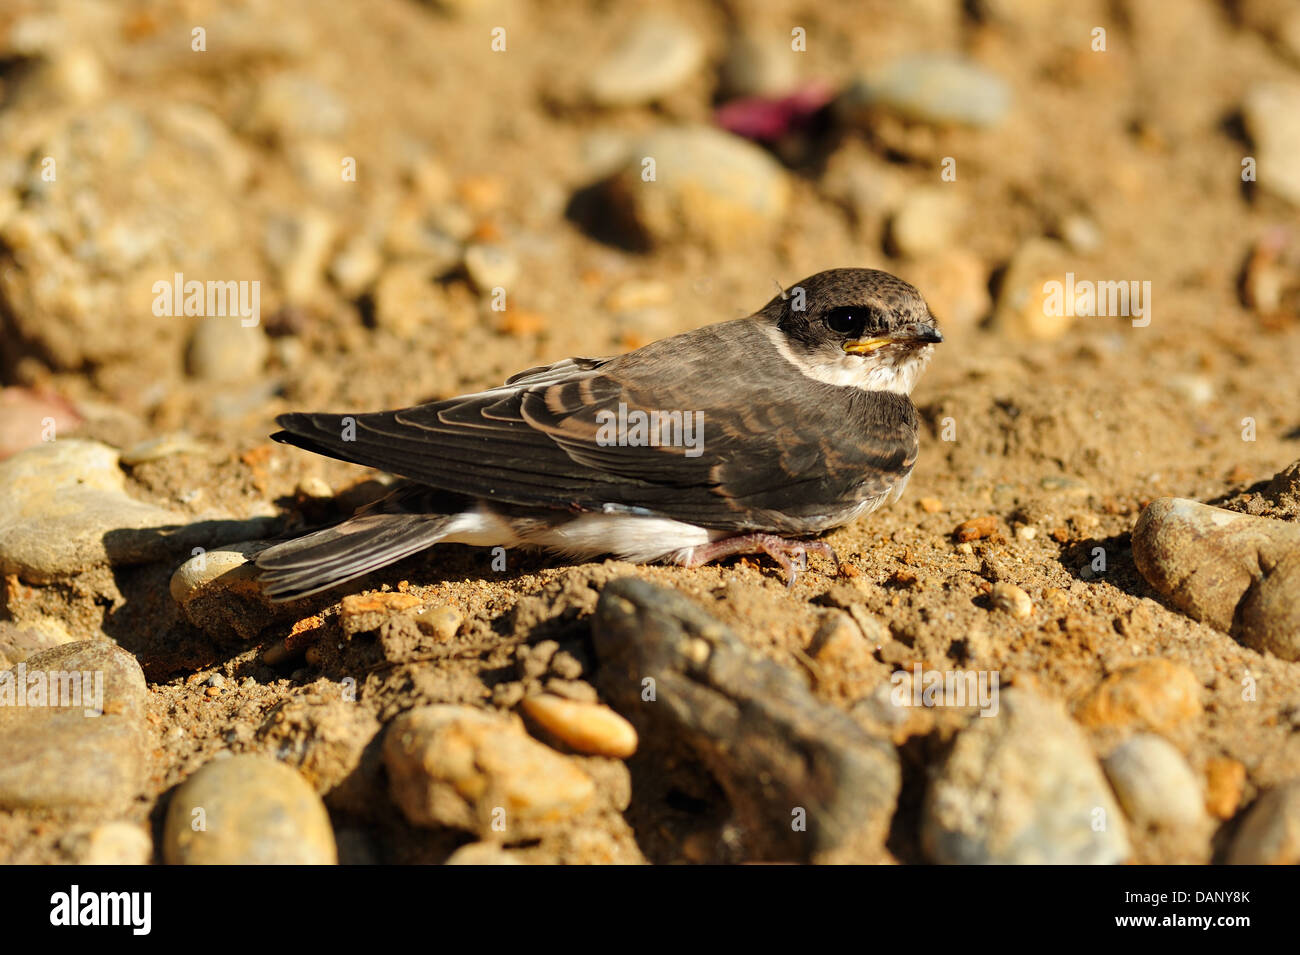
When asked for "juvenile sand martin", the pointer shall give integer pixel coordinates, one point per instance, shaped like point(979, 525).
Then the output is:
point(739, 437)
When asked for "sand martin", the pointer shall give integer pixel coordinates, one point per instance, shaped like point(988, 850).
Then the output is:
point(747, 436)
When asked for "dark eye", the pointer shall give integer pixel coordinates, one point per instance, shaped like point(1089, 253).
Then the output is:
point(846, 321)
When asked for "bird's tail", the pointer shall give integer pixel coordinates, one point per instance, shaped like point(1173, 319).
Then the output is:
point(376, 536)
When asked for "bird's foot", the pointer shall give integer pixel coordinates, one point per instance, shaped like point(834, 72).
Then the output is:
point(792, 555)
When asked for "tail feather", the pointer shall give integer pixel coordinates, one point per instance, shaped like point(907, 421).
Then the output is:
point(319, 561)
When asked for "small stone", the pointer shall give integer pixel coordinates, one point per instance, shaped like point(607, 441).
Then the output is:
point(298, 246)
point(462, 767)
point(405, 300)
point(223, 350)
point(1158, 790)
point(1225, 781)
point(956, 284)
point(760, 66)
point(977, 528)
point(1270, 834)
point(1271, 113)
point(931, 88)
point(655, 56)
point(117, 843)
point(356, 266)
point(439, 622)
point(1156, 695)
point(637, 294)
point(1024, 308)
point(1026, 532)
point(20, 641)
point(72, 725)
point(218, 591)
point(29, 418)
point(1022, 789)
point(1235, 572)
point(482, 853)
point(927, 221)
point(294, 105)
point(247, 810)
point(1011, 599)
point(1080, 233)
point(334, 744)
point(1196, 390)
point(155, 449)
point(491, 267)
point(590, 728)
point(362, 613)
point(707, 185)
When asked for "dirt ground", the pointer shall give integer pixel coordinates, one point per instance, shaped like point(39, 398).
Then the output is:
point(1062, 438)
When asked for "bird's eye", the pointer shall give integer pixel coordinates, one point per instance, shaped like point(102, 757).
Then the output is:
point(846, 321)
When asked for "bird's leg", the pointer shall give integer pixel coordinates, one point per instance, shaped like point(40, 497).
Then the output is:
point(785, 552)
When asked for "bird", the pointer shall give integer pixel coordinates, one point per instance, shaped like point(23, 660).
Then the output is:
point(753, 435)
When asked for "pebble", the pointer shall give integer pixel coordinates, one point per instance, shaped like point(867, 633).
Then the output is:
point(65, 510)
point(163, 446)
point(247, 810)
point(223, 350)
point(295, 105)
point(931, 88)
point(1235, 572)
point(462, 767)
point(298, 246)
point(20, 641)
point(362, 613)
point(482, 853)
point(406, 303)
point(64, 756)
point(1080, 233)
point(1157, 695)
point(759, 66)
point(655, 56)
point(927, 221)
point(1023, 788)
point(1270, 834)
point(1011, 599)
point(117, 843)
point(590, 728)
point(1022, 310)
point(708, 185)
point(956, 284)
point(441, 622)
point(333, 744)
point(1225, 781)
point(1271, 113)
point(356, 266)
point(977, 528)
point(218, 592)
point(1157, 788)
point(491, 267)
point(24, 415)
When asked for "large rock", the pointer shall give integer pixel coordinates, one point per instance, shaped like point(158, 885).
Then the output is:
point(804, 780)
point(1022, 788)
point(88, 753)
point(1237, 573)
point(467, 768)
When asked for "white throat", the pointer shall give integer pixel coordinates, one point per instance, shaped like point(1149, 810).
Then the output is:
point(875, 372)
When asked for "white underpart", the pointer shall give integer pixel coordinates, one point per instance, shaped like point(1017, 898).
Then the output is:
point(872, 372)
point(631, 537)
point(641, 540)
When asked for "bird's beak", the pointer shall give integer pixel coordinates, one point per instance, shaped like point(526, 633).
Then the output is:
point(917, 334)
